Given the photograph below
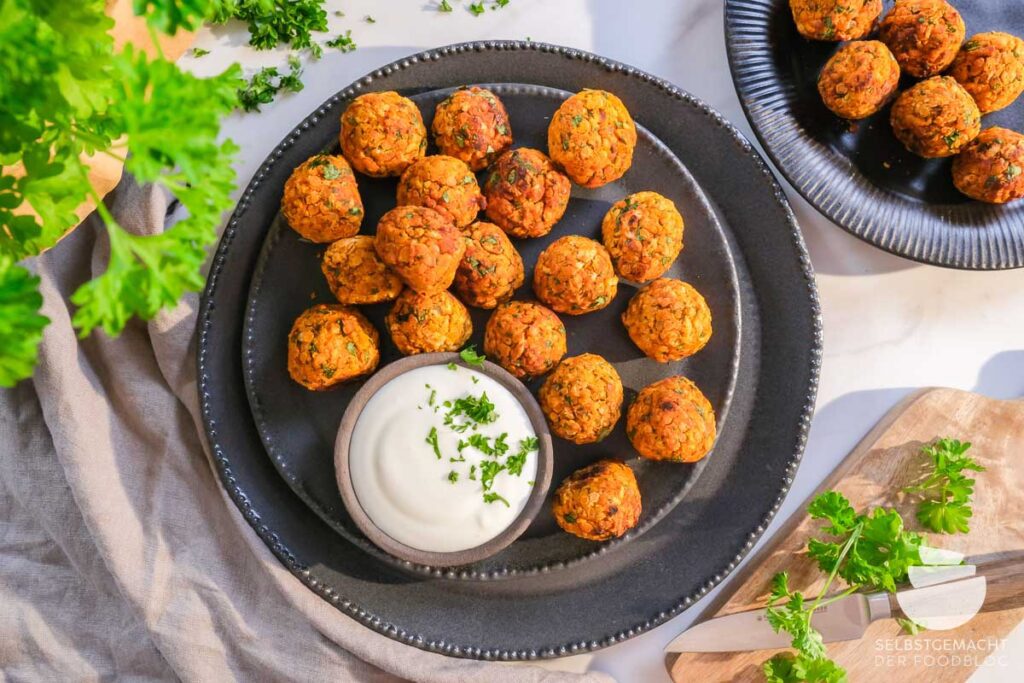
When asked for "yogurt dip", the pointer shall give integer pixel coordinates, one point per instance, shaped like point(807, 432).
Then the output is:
point(443, 458)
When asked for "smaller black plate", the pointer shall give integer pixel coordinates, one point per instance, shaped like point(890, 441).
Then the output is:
point(859, 175)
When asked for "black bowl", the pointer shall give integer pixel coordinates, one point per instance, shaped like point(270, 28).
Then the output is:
point(859, 175)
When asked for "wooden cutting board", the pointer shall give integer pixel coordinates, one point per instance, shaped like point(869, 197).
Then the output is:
point(884, 462)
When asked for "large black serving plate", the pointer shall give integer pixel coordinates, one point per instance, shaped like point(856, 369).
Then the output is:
point(299, 427)
point(549, 594)
point(860, 176)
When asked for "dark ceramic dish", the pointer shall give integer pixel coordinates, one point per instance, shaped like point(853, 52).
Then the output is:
point(415, 555)
point(763, 379)
point(299, 427)
point(860, 176)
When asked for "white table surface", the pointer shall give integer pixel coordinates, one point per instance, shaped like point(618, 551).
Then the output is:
point(890, 325)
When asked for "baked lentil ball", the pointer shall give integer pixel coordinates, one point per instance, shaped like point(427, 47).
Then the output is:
point(935, 118)
point(525, 338)
point(491, 270)
point(991, 169)
point(835, 20)
point(668, 320)
point(382, 134)
point(990, 66)
point(526, 195)
point(421, 246)
point(329, 344)
point(592, 137)
point(356, 275)
point(472, 125)
point(582, 398)
point(859, 79)
point(924, 35)
point(444, 184)
point(428, 323)
point(574, 275)
point(599, 502)
point(671, 420)
point(643, 233)
point(321, 201)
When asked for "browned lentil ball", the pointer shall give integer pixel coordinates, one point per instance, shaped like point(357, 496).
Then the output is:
point(329, 344)
point(355, 273)
point(491, 270)
point(598, 502)
point(421, 246)
point(444, 184)
point(935, 118)
point(859, 79)
point(574, 275)
point(643, 234)
point(835, 19)
point(582, 398)
point(668, 320)
point(990, 66)
point(924, 35)
point(321, 201)
point(524, 338)
point(991, 169)
point(592, 137)
point(428, 323)
point(382, 133)
point(671, 420)
point(526, 195)
point(471, 124)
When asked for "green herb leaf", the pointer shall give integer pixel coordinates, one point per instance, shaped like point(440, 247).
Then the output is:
point(945, 490)
point(493, 497)
point(21, 324)
point(471, 357)
point(274, 22)
point(432, 440)
point(477, 8)
point(266, 83)
point(344, 43)
point(444, 6)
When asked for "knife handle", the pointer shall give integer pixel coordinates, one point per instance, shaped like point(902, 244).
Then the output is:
point(1004, 585)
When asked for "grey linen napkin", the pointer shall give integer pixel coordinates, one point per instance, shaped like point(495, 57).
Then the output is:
point(120, 554)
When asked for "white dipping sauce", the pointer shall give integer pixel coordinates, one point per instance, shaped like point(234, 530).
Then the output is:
point(406, 490)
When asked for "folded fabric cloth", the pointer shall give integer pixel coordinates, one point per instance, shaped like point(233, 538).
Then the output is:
point(120, 553)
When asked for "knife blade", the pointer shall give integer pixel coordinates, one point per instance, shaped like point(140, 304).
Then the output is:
point(844, 619)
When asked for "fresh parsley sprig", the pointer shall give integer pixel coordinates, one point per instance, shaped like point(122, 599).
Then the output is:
point(946, 491)
point(471, 357)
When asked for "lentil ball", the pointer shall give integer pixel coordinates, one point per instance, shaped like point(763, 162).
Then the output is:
point(472, 125)
point(991, 168)
point(643, 234)
point(671, 420)
point(574, 275)
point(421, 246)
point(599, 502)
point(592, 137)
point(428, 323)
point(321, 201)
point(526, 195)
point(859, 79)
point(491, 269)
point(356, 275)
point(990, 66)
point(330, 344)
point(382, 134)
point(444, 184)
point(668, 320)
point(935, 118)
point(525, 338)
point(924, 35)
point(835, 20)
point(582, 398)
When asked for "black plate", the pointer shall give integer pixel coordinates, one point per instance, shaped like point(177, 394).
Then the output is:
point(299, 427)
point(860, 176)
point(558, 608)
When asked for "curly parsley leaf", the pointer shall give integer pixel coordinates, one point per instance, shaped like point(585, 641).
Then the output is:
point(266, 83)
point(444, 6)
point(945, 490)
point(273, 22)
point(344, 43)
point(471, 357)
point(477, 8)
point(21, 324)
point(168, 16)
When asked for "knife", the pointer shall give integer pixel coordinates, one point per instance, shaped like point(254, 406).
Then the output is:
point(998, 585)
